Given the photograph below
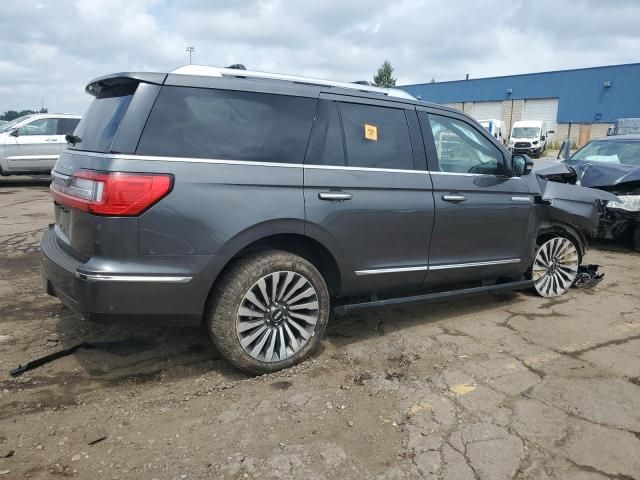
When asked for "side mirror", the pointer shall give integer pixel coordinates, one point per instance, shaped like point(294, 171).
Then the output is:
point(549, 132)
point(521, 165)
point(542, 138)
point(14, 133)
point(565, 150)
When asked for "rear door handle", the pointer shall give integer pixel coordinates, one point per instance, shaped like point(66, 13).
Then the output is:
point(335, 196)
point(454, 198)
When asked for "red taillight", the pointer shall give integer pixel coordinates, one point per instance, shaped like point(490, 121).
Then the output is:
point(110, 193)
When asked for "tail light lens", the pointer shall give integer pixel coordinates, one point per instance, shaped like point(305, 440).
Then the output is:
point(110, 193)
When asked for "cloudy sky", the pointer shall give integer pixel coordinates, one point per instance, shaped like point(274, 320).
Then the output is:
point(51, 49)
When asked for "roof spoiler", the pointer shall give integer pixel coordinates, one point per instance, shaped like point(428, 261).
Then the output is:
point(123, 79)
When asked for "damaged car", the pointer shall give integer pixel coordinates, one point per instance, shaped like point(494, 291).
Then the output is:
point(256, 203)
point(612, 164)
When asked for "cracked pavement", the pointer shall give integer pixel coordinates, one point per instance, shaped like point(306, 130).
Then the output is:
point(508, 386)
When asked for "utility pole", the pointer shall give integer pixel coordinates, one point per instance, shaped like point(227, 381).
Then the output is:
point(190, 50)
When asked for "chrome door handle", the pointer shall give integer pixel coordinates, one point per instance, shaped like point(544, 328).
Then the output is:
point(50, 139)
point(454, 198)
point(335, 196)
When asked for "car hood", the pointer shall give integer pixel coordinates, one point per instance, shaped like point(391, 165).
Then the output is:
point(613, 177)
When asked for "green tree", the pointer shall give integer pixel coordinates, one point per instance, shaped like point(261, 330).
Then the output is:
point(13, 114)
point(384, 77)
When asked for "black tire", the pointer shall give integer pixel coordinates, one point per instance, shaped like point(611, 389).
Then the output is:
point(636, 239)
point(229, 293)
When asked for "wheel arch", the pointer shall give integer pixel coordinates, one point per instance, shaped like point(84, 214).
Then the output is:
point(287, 236)
point(557, 228)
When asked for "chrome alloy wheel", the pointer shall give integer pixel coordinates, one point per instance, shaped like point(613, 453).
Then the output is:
point(555, 267)
point(277, 316)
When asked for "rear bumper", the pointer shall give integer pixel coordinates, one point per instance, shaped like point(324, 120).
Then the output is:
point(154, 292)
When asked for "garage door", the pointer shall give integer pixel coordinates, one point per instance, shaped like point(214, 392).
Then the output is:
point(487, 110)
point(545, 109)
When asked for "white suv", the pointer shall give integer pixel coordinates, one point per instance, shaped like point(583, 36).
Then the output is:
point(33, 143)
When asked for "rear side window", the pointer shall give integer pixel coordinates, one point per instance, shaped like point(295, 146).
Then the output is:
point(66, 126)
point(100, 123)
point(228, 125)
point(376, 137)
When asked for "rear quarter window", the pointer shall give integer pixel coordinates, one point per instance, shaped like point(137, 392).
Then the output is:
point(228, 125)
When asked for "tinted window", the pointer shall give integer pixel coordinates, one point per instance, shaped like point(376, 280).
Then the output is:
point(66, 126)
point(44, 126)
point(327, 147)
point(463, 149)
point(376, 137)
point(223, 124)
point(100, 123)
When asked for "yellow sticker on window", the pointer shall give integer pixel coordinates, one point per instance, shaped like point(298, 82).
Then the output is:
point(370, 132)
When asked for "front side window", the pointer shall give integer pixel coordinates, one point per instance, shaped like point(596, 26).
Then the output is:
point(376, 137)
point(463, 149)
point(44, 126)
point(229, 125)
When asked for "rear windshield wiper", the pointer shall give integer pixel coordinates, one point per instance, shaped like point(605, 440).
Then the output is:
point(72, 139)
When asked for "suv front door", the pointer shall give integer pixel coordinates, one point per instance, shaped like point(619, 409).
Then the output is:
point(367, 192)
point(483, 215)
point(37, 146)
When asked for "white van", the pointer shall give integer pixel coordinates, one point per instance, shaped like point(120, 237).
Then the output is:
point(529, 137)
point(496, 128)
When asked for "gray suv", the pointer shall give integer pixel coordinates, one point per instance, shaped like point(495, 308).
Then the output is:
point(256, 202)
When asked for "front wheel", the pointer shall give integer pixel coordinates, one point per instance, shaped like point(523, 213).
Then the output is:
point(555, 266)
point(269, 312)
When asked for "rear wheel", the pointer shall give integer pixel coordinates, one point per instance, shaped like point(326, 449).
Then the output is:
point(269, 312)
point(555, 266)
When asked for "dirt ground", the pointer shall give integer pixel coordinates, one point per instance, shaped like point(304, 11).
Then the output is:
point(490, 387)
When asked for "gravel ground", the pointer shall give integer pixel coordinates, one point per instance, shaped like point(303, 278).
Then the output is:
point(490, 387)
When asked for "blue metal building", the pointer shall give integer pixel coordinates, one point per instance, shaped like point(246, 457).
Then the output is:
point(586, 96)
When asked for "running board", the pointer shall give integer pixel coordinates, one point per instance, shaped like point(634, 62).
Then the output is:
point(430, 297)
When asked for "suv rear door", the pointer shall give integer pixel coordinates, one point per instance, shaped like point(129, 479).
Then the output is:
point(367, 193)
point(483, 215)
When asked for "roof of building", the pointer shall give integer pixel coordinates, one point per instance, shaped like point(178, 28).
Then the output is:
point(595, 94)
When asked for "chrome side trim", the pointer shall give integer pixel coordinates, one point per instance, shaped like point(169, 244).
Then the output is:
point(473, 175)
point(521, 199)
point(475, 264)
point(33, 157)
point(101, 277)
point(378, 271)
point(122, 156)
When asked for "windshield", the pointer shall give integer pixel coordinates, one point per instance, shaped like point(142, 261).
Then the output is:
point(612, 151)
point(9, 126)
point(525, 132)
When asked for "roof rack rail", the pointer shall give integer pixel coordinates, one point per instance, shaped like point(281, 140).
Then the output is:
point(207, 71)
